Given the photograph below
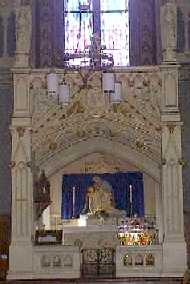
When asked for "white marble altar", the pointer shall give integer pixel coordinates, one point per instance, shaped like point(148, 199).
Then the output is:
point(91, 232)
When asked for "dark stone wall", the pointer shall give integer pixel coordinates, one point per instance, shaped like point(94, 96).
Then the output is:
point(142, 29)
point(184, 102)
point(6, 102)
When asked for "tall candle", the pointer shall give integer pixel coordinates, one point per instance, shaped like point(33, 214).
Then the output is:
point(73, 201)
point(130, 193)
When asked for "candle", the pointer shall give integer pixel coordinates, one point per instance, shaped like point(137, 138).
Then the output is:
point(130, 193)
point(73, 201)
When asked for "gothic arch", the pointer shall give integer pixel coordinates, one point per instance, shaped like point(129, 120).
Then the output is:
point(100, 145)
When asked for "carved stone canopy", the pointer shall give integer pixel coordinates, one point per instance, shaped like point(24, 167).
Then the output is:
point(134, 122)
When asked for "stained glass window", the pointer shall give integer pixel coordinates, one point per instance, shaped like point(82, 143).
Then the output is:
point(96, 32)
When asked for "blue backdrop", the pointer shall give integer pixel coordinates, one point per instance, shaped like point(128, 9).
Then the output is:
point(120, 183)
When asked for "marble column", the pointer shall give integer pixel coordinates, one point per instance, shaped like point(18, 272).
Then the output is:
point(21, 248)
point(159, 215)
point(174, 247)
point(22, 180)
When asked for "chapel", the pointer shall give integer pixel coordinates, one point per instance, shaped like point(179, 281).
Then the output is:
point(94, 141)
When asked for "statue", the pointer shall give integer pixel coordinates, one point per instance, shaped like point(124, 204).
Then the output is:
point(99, 197)
point(23, 33)
point(42, 194)
point(169, 30)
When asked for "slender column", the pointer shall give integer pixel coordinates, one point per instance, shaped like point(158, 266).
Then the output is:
point(22, 197)
point(174, 247)
point(21, 251)
point(159, 217)
point(172, 182)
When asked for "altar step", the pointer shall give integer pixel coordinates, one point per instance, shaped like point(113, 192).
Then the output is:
point(101, 281)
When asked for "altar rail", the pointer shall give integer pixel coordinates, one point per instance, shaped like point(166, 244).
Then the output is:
point(138, 261)
point(56, 262)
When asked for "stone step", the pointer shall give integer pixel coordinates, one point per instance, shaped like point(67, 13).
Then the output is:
point(100, 281)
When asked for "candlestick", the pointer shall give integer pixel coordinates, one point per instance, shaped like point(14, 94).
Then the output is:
point(73, 201)
point(131, 199)
point(130, 193)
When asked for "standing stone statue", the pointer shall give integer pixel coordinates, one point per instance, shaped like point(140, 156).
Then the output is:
point(23, 34)
point(169, 30)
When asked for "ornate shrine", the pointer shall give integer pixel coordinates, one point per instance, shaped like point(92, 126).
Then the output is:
point(61, 116)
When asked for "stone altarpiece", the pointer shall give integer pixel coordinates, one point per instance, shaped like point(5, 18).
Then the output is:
point(144, 129)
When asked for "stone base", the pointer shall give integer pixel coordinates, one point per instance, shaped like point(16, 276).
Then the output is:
point(20, 259)
point(44, 262)
point(174, 259)
point(41, 275)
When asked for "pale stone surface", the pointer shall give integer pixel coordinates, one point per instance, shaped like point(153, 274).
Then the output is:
point(47, 263)
point(171, 197)
point(97, 233)
point(174, 246)
point(169, 30)
point(139, 270)
point(144, 134)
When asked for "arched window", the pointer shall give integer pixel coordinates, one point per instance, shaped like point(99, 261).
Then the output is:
point(96, 32)
point(77, 32)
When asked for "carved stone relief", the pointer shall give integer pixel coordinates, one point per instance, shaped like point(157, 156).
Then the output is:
point(56, 261)
point(135, 121)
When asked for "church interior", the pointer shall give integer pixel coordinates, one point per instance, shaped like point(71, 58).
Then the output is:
point(94, 132)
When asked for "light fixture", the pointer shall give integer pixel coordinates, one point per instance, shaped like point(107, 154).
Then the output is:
point(116, 96)
point(64, 93)
point(52, 84)
point(108, 82)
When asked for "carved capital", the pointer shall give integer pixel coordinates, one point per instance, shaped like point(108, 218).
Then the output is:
point(182, 162)
point(12, 164)
point(21, 131)
point(29, 164)
point(171, 128)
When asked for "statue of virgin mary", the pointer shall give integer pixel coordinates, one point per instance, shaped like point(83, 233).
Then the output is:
point(99, 197)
